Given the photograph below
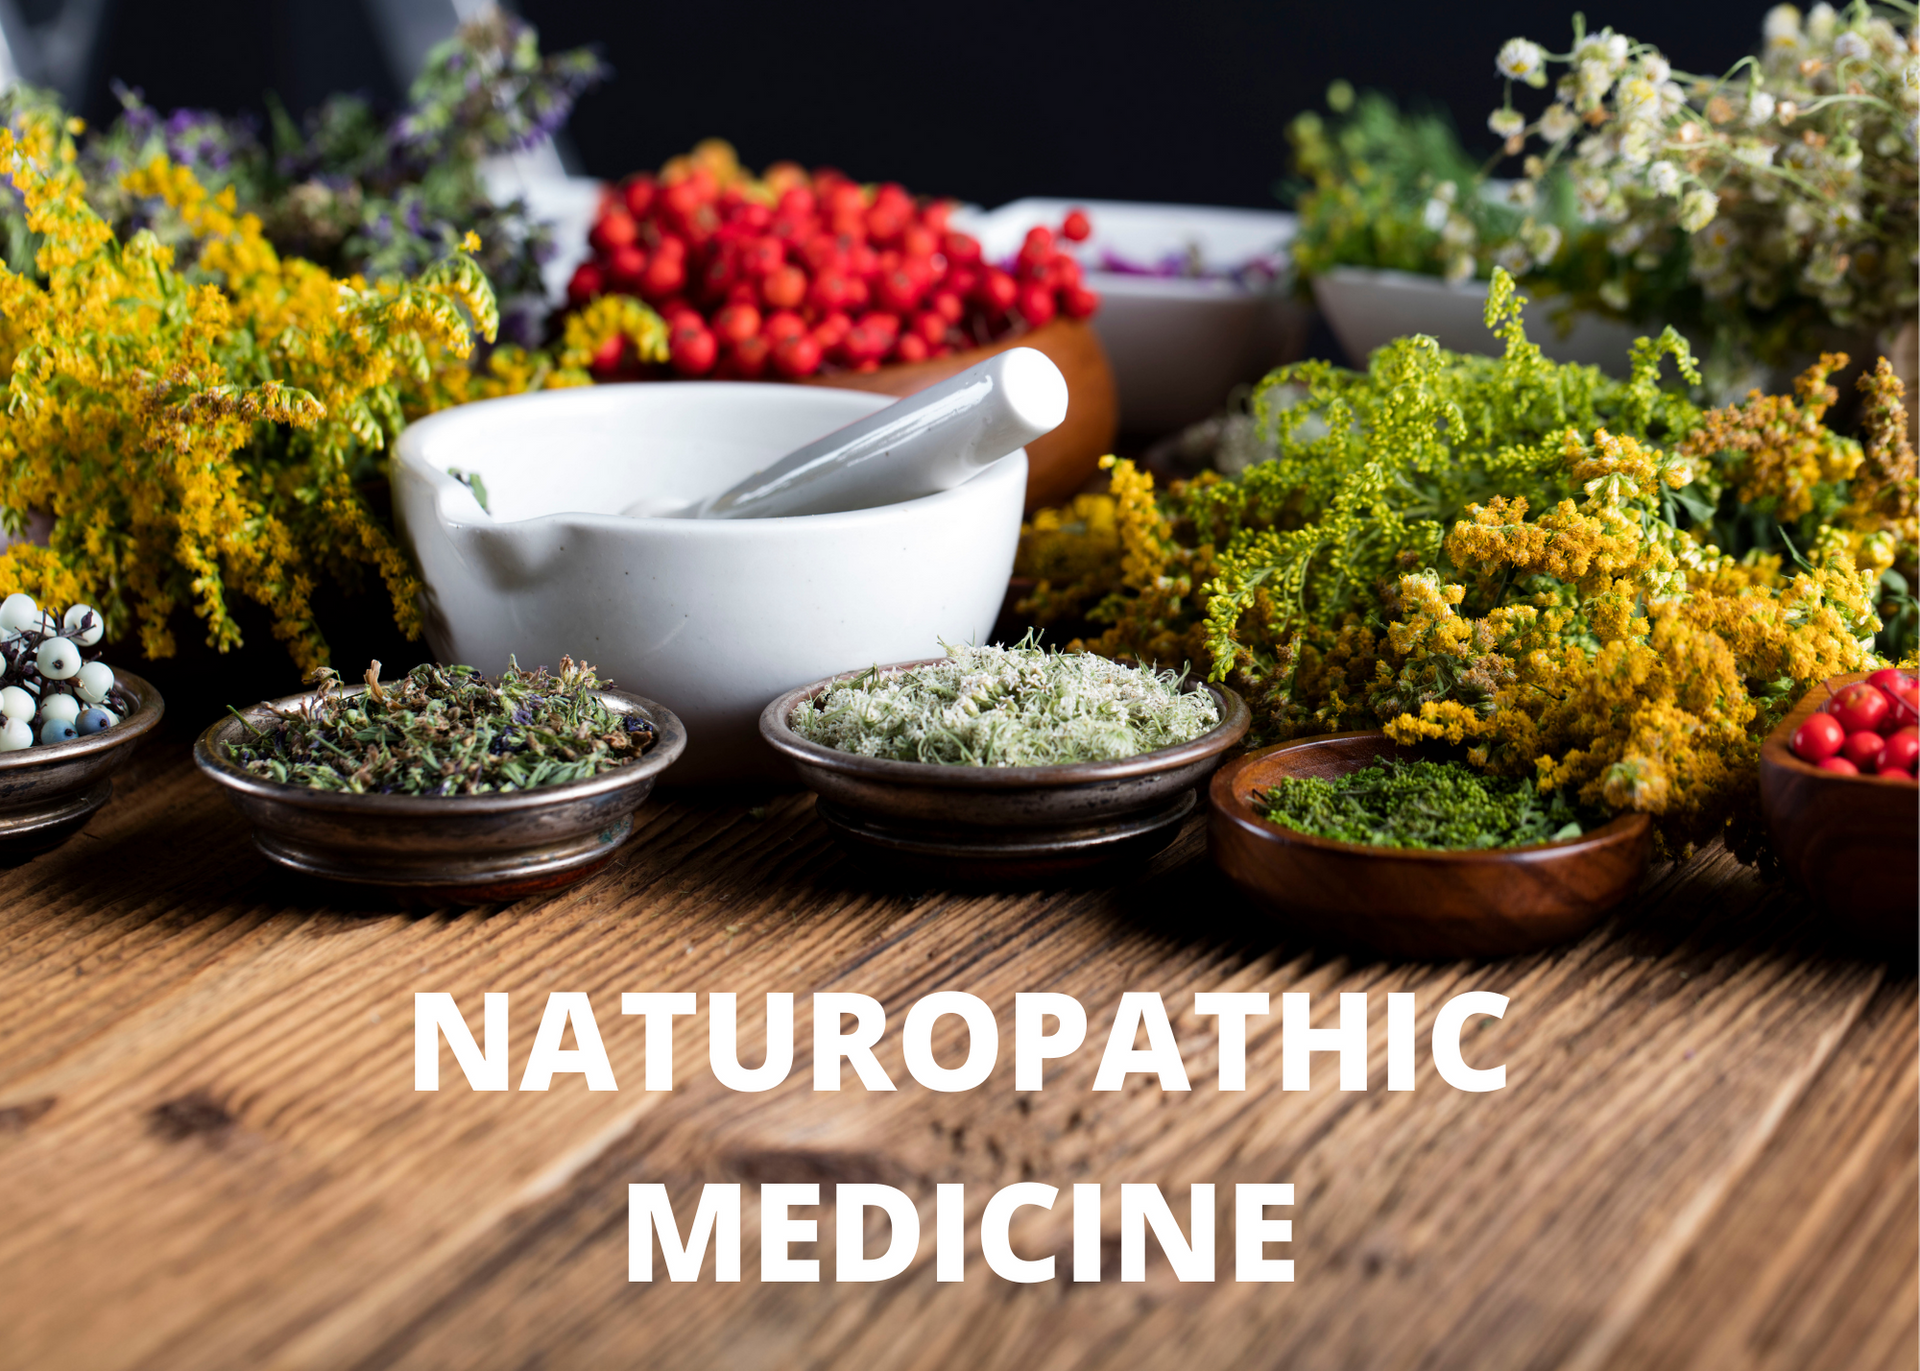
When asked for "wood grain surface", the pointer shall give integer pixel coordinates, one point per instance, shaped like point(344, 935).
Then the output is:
point(211, 1153)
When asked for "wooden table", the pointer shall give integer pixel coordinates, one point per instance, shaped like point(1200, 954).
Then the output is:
point(212, 1154)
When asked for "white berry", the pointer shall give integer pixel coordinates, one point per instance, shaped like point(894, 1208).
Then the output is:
point(57, 659)
point(15, 703)
point(62, 707)
point(19, 611)
point(76, 616)
point(58, 731)
point(15, 734)
point(93, 682)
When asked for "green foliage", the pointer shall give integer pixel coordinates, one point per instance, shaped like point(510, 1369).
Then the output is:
point(1420, 804)
point(1374, 467)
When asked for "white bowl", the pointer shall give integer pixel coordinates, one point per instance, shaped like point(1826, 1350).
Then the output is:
point(1367, 308)
point(711, 618)
point(1178, 345)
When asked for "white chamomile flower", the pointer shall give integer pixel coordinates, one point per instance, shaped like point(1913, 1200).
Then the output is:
point(1697, 209)
point(1664, 178)
point(1521, 59)
point(1615, 295)
point(1593, 80)
point(1521, 194)
point(1852, 47)
point(1542, 242)
point(1558, 124)
point(1459, 268)
point(1760, 106)
point(1506, 122)
point(1434, 216)
point(1781, 27)
point(1821, 20)
point(1656, 68)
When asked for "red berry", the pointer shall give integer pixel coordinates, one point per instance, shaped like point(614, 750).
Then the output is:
point(1902, 750)
point(962, 248)
point(919, 241)
point(1840, 766)
point(638, 194)
point(797, 356)
point(1076, 228)
point(1818, 738)
point(783, 326)
point(1039, 242)
point(997, 290)
point(1906, 704)
point(694, 351)
point(947, 305)
point(1063, 273)
point(785, 288)
point(736, 323)
point(587, 281)
point(831, 331)
point(1859, 707)
point(627, 268)
point(1863, 750)
point(606, 357)
point(911, 348)
point(931, 327)
point(763, 257)
point(1036, 305)
point(671, 246)
point(936, 215)
point(615, 229)
point(899, 291)
point(1079, 302)
point(885, 222)
point(751, 355)
point(830, 291)
point(665, 275)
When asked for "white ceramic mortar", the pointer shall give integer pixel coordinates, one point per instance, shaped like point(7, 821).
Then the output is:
point(712, 618)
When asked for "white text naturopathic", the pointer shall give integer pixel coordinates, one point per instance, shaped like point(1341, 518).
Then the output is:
point(1047, 1026)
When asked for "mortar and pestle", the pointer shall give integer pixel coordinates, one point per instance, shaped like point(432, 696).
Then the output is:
point(711, 544)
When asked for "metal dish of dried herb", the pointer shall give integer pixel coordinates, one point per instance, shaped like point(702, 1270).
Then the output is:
point(445, 731)
point(1420, 804)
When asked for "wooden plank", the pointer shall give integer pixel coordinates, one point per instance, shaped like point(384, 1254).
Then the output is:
point(215, 1157)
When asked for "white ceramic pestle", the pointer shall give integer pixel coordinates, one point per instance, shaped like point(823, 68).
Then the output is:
point(926, 443)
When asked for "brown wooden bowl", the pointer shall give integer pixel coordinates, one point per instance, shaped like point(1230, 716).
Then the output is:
point(1413, 902)
point(1063, 461)
point(1851, 842)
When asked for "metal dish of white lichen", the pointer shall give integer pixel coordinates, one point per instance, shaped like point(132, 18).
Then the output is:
point(516, 802)
point(1004, 764)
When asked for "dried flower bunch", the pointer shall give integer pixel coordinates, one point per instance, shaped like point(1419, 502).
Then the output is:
point(1791, 179)
point(200, 433)
point(361, 192)
point(447, 730)
point(1521, 558)
point(1420, 804)
point(1007, 706)
point(1375, 186)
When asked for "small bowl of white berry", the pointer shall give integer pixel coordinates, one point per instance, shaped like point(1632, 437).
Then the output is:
point(68, 721)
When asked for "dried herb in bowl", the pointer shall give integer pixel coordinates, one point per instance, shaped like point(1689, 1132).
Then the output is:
point(1420, 804)
point(1007, 706)
point(447, 730)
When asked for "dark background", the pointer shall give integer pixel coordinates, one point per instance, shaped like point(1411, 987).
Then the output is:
point(990, 101)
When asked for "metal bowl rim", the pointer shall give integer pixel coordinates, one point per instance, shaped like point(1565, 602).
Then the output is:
point(1627, 826)
point(672, 742)
point(775, 728)
point(135, 725)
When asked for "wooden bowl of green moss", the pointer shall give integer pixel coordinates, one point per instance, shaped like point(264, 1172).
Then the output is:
point(1431, 859)
point(1004, 765)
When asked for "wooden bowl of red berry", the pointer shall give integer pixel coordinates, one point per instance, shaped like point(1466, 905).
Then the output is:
point(809, 276)
point(1837, 783)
